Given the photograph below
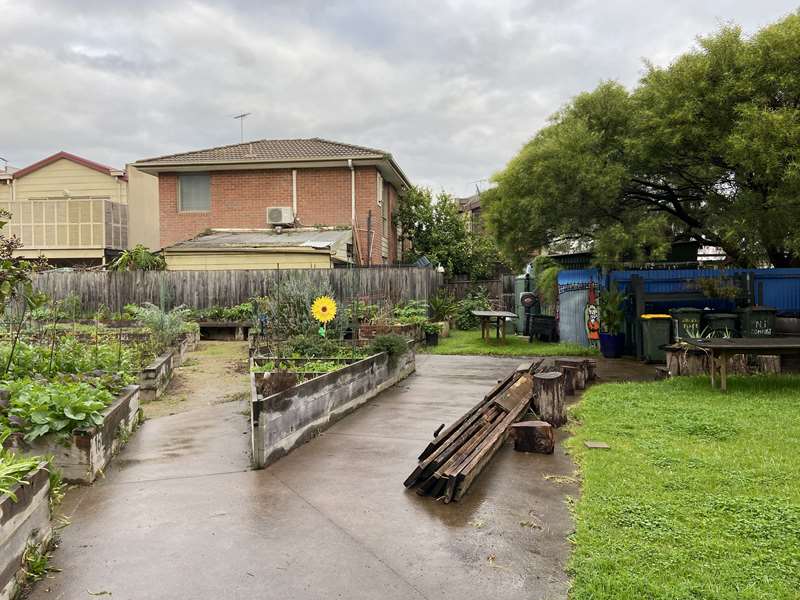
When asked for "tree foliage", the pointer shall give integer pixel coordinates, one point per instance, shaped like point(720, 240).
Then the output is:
point(138, 258)
point(704, 149)
point(437, 229)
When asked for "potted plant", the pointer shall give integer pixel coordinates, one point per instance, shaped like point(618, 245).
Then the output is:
point(612, 319)
point(431, 333)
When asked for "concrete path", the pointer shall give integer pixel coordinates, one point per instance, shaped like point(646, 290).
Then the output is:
point(180, 516)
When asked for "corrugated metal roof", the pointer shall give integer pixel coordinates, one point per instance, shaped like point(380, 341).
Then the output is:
point(319, 239)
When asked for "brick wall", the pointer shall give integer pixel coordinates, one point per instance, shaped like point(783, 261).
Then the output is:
point(239, 199)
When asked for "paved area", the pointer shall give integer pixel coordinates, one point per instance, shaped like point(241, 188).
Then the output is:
point(180, 516)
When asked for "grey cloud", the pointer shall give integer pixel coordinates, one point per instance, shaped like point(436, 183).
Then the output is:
point(452, 88)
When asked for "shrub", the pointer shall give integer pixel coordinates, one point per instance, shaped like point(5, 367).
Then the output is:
point(443, 306)
point(138, 258)
point(312, 346)
point(476, 299)
point(391, 343)
point(166, 326)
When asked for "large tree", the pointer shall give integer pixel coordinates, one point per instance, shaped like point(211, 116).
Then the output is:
point(704, 149)
point(437, 230)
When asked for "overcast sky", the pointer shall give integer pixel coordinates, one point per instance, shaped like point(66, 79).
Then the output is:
point(451, 88)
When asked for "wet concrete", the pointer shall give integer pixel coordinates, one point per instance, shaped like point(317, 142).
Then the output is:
point(180, 516)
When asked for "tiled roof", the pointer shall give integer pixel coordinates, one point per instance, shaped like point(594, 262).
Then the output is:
point(272, 150)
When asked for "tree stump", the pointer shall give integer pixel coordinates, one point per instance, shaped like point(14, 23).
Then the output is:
point(548, 397)
point(674, 361)
point(570, 377)
point(580, 367)
point(533, 436)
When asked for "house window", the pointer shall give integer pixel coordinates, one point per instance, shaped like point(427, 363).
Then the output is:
point(194, 192)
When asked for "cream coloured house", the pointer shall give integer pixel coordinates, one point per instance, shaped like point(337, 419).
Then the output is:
point(72, 210)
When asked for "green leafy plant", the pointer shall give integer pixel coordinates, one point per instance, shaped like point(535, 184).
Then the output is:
point(724, 288)
point(138, 258)
point(444, 306)
point(391, 343)
point(38, 408)
point(36, 561)
point(431, 328)
point(546, 273)
point(167, 327)
point(476, 299)
point(612, 313)
point(67, 355)
point(413, 312)
point(14, 467)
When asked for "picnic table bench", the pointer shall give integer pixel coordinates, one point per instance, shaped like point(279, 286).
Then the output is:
point(496, 317)
point(721, 349)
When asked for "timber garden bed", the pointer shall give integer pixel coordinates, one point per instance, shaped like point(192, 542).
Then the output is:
point(156, 376)
point(86, 452)
point(24, 524)
point(281, 421)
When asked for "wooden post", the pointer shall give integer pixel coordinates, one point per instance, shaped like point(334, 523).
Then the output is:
point(580, 370)
point(570, 376)
point(591, 368)
point(533, 436)
point(548, 397)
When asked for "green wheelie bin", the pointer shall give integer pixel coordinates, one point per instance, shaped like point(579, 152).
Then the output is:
point(687, 322)
point(720, 325)
point(656, 333)
point(757, 321)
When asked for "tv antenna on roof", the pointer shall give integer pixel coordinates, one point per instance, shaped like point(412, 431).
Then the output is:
point(241, 118)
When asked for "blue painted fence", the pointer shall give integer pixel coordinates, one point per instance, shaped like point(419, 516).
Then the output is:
point(779, 288)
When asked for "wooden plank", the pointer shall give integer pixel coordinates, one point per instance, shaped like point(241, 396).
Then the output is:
point(447, 433)
point(483, 454)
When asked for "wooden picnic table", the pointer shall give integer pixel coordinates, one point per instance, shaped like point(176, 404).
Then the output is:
point(496, 317)
point(721, 349)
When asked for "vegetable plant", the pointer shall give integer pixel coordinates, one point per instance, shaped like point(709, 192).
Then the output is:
point(38, 408)
point(13, 467)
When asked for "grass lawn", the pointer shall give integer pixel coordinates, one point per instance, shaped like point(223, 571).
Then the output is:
point(699, 495)
point(470, 342)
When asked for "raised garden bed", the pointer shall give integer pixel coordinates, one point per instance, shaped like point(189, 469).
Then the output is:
point(280, 422)
point(156, 376)
point(88, 451)
point(23, 522)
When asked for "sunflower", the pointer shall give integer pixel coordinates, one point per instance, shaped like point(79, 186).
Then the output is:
point(324, 309)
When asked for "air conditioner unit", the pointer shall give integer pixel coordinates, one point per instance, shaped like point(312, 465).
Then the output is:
point(280, 215)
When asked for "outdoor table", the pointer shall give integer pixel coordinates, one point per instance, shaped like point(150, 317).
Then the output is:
point(496, 317)
point(721, 349)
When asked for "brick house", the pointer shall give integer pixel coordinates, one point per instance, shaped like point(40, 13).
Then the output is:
point(318, 183)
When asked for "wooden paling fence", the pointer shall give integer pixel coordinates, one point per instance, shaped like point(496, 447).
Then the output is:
point(206, 289)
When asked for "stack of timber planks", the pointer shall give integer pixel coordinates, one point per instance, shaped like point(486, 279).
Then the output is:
point(452, 461)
